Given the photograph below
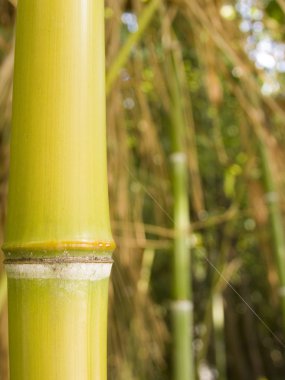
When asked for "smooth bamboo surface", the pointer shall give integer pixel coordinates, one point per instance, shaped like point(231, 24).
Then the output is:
point(58, 197)
point(59, 329)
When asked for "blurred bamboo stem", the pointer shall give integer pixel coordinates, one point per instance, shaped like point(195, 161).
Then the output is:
point(190, 135)
point(218, 138)
point(253, 110)
point(58, 242)
point(133, 39)
point(276, 220)
point(3, 290)
point(182, 306)
point(218, 286)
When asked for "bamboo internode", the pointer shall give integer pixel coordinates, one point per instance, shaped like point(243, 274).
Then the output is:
point(58, 187)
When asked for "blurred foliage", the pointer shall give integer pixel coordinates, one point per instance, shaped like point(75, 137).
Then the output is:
point(273, 10)
point(233, 99)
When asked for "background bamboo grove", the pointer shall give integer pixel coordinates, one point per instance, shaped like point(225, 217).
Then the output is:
point(203, 81)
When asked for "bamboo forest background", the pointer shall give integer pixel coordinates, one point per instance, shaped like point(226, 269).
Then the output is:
point(215, 70)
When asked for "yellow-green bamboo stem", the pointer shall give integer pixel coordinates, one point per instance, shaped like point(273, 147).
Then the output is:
point(58, 186)
point(182, 306)
point(57, 320)
point(3, 290)
point(276, 220)
point(58, 242)
point(132, 40)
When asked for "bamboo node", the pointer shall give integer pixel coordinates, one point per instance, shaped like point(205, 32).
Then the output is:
point(92, 271)
point(178, 157)
point(92, 259)
point(282, 291)
point(271, 197)
point(182, 305)
point(60, 246)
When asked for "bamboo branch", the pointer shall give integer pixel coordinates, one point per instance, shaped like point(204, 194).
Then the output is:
point(132, 40)
point(214, 220)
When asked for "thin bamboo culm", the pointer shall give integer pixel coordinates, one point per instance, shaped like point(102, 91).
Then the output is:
point(275, 219)
point(58, 242)
point(182, 305)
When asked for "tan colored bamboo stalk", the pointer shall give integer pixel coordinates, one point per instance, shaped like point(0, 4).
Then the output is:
point(3, 290)
point(58, 242)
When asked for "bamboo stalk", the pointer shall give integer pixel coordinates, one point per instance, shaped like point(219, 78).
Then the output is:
point(190, 134)
point(276, 220)
point(258, 121)
point(182, 305)
point(58, 242)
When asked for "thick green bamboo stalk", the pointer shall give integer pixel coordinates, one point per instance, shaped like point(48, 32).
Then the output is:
point(58, 242)
point(182, 306)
